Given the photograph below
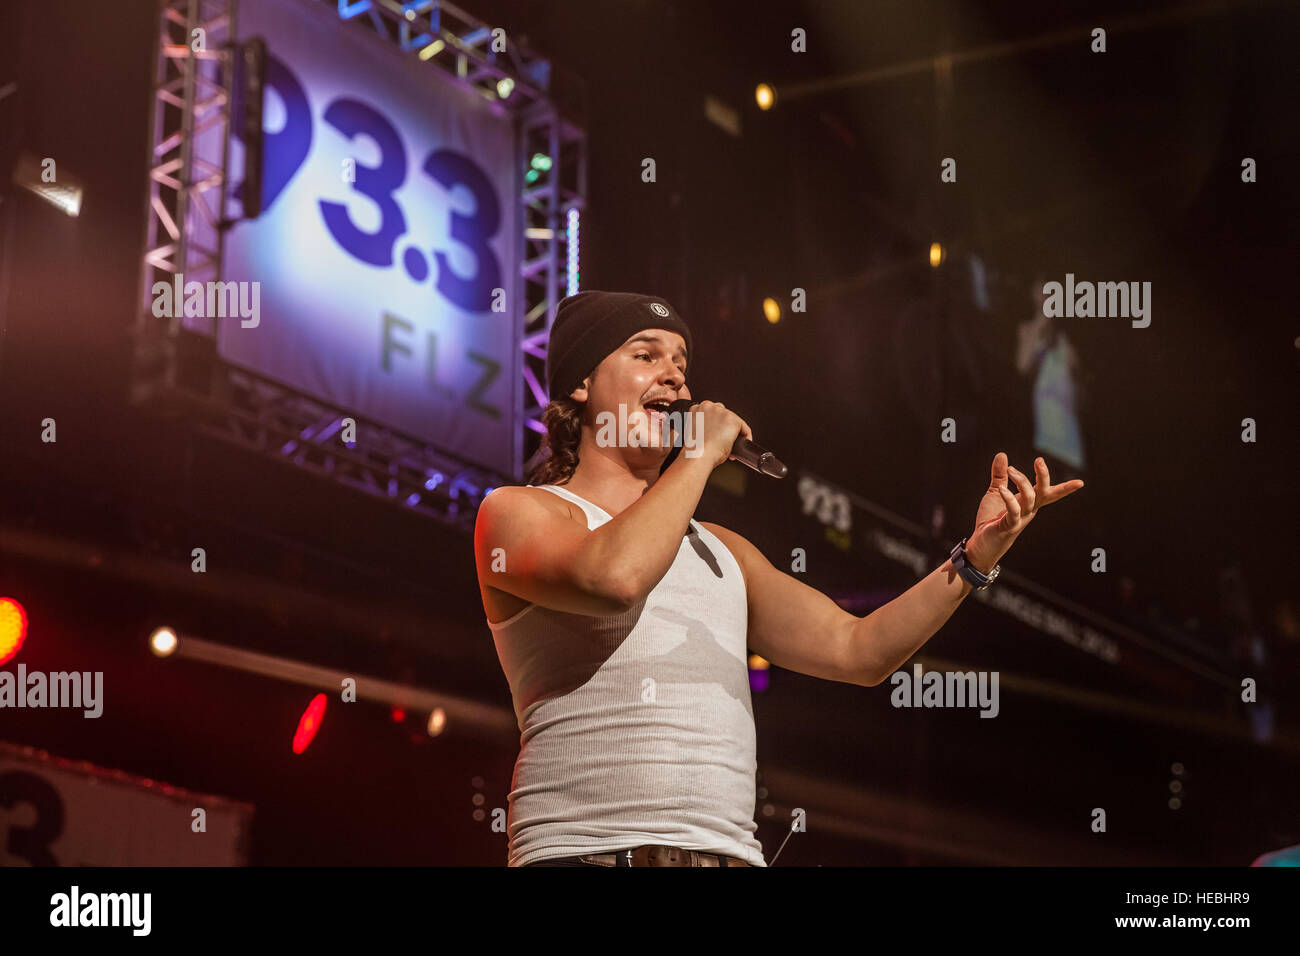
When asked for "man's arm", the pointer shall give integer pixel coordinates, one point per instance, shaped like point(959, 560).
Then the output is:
point(801, 629)
point(522, 547)
point(797, 627)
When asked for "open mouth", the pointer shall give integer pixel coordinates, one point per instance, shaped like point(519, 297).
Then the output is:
point(658, 410)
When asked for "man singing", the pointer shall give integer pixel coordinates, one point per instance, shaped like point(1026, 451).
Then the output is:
point(622, 624)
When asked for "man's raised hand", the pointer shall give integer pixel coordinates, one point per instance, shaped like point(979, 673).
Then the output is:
point(1002, 514)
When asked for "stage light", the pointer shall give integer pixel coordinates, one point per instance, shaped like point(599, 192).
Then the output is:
point(309, 723)
point(432, 50)
point(571, 245)
point(13, 628)
point(505, 86)
point(772, 310)
point(540, 161)
point(43, 177)
point(937, 254)
point(437, 721)
point(163, 642)
point(765, 96)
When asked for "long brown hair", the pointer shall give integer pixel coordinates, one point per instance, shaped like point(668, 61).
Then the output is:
point(563, 421)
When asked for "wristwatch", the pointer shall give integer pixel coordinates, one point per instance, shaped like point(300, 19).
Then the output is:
point(977, 579)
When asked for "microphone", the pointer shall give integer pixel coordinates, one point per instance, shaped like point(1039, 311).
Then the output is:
point(744, 451)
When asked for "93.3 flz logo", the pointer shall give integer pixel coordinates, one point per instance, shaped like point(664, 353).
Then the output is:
point(287, 149)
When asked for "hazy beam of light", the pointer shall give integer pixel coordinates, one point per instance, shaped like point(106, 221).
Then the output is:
point(946, 61)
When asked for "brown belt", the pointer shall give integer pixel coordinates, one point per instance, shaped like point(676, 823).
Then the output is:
point(659, 856)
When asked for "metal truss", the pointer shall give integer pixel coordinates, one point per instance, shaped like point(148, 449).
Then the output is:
point(259, 414)
point(178, 371)
point(460, 45)
point(191, 97)
point(549, 266)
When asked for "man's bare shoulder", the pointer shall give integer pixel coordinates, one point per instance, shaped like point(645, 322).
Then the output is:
point(737, 544)
point(508, 500)
point(720, 531)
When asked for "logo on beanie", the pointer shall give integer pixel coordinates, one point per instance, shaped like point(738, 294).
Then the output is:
point(658, 309)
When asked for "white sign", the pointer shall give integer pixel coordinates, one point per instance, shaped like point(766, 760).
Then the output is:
point(56, 812)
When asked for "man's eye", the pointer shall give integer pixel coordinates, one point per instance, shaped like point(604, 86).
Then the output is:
point(646, 354)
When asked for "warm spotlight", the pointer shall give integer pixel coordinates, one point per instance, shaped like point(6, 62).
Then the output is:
point(42, 177)
point(163, 642)
point(13, 628)
point(437, 721)
point(937, 254)
point(764, 96)
point(771, 310)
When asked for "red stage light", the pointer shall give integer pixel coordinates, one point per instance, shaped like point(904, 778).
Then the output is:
point(308, 724)
point(13, 628)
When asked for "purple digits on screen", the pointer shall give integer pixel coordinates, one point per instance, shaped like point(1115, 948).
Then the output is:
point(353, 118)
point(474, 293)
point(287, 149)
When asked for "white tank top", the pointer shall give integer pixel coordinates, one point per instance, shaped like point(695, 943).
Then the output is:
point(635, 728)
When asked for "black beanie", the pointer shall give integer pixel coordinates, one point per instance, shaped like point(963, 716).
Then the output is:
point(590, 325)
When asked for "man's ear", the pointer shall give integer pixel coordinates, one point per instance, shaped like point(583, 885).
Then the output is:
point(580, 394)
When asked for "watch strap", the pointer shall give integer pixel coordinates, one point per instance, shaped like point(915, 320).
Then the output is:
point(973, 576)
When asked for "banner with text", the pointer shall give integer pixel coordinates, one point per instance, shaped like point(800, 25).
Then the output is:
point(390, 216)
